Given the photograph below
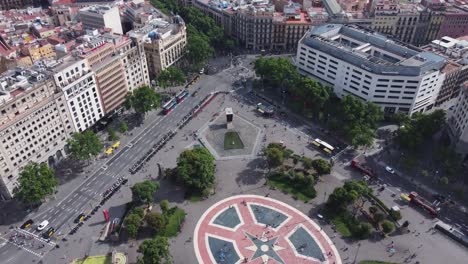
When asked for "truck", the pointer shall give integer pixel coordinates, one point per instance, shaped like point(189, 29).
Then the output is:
point(364, 169)
point(417, 200)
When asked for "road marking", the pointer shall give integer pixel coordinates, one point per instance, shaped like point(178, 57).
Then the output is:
point(75, 195)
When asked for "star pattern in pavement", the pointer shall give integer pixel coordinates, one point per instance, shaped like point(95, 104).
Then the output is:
point(265, 249)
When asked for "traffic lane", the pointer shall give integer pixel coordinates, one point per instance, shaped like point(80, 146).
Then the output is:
point(139, 148)
point(447, 214)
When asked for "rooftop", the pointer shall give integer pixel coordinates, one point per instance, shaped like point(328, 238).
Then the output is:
point(372, 51)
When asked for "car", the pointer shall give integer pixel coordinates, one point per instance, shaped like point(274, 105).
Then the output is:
point(47, 234)
point(27, 224)
point(202, 70)
point(42, 225)
point(194, 93)
point(79, 218)
point(389, 169)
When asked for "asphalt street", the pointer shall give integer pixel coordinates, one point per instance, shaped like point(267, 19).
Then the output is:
point(88, 194)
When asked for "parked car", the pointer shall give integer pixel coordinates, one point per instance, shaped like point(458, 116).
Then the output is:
point(42, 225)
point(79, 218)
point(389, 169)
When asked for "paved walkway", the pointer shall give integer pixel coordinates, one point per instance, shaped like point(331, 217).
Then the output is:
point(255, 229)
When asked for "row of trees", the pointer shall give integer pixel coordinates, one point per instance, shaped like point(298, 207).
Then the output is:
point(356, 119)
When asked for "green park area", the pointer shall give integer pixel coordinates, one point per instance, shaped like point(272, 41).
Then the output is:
point(120, 259)
point(232, 141)
point(374, 262)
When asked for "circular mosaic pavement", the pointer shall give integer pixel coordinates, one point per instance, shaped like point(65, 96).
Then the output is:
point(256, 229)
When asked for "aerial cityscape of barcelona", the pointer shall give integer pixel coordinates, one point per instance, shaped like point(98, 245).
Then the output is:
point(233, 131)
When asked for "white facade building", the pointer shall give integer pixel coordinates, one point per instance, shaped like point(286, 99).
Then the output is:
point(101, 16)
point(458, 122)
point(78, 84)
point(34, 125)
point(371, 67)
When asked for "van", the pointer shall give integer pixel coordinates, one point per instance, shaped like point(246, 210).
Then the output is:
point(42, 225)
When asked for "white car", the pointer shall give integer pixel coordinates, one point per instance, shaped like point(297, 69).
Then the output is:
point(42, 225)
point(202, 70)
point(389, 169)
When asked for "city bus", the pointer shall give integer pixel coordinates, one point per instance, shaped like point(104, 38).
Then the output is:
point(181, 96)
point(169, 106)
point(323, 145)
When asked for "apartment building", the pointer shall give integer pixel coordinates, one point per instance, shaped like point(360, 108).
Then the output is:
point(78, 83)
point(11, 4)
point(133, 56)
point(163, 42)
point(356, 61)
point(34, 124)
point(262, 24)
point(36, 52)
point(458, 122)
point(456, 69)
point(110, 74)
point(101, 16)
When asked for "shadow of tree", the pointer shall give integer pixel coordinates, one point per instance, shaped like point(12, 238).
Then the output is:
point(253, 173)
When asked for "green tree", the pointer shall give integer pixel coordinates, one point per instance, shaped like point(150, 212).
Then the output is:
point(274, 157)
point(112, 135)
point(379, 217)
point(387, 227)
point(313, 95)
point(171, 76)
point(424, 173)
point(155, 251)
point(36, 181)
point(321, 166)
point(164, 204)
point(198, 50)
point(359, 120)
point(444, 181)
point(132, 224)
point(144, 191)
point(123, 127)
point(420, 128)
point(364, 230)
point(196, 168)
point(84, 145)
point(307, 163)
point(143, 100)
point(279, 72)
point(156, 221)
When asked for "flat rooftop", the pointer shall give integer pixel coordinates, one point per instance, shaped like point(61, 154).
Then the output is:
point(372, 51)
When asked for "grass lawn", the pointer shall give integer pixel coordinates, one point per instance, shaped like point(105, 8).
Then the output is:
point(94, 260)
point(374, 262)
point(232, 141)
point(287, 187)
point(174, 223)
point(341, 227)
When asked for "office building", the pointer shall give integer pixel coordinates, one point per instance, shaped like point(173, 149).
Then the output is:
point(34, 124)
point(101, 16)
point(369, 66)
point(163, 42)
point(458, 122)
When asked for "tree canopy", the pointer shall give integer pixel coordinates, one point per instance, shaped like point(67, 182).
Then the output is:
point(36, 182)
point(144, 191)
point(321, 166)
point(171, 76)
point(196, 168)
point(155, 251)
point(132, 224)
point(84, 145)
point(143, 100)
point(278, 72)
point(198, 50)
point(274, 157)
point(421, 127)
point(156, 221)
point(346, 195)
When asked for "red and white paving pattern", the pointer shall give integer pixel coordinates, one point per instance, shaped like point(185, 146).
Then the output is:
point(244, 246)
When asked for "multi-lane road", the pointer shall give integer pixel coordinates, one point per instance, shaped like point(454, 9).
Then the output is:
point(88, 193)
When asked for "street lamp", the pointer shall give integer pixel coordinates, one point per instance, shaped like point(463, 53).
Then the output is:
point(357, 251)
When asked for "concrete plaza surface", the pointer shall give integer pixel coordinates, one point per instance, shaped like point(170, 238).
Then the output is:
point(244, 175)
